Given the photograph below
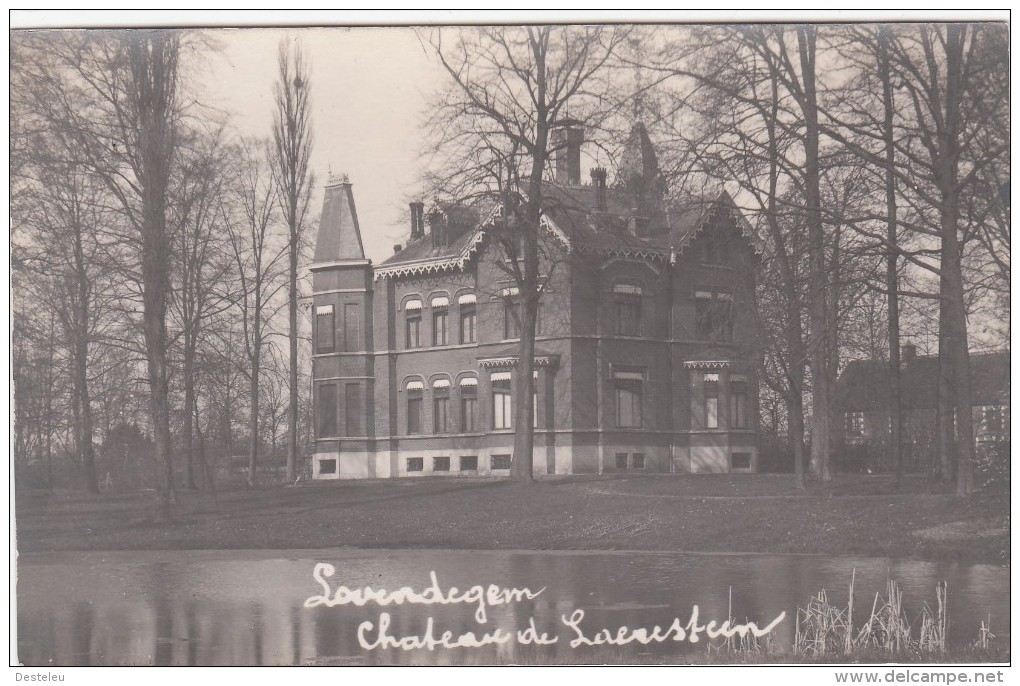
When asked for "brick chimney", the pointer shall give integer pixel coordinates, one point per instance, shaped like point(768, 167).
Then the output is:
point(566, 149)
point(438, 228)
point(908, 352)
point(417, 220)
point(598, 182)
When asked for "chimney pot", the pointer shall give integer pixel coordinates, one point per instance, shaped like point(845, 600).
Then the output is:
point(567, 153)
point(598, 182)
point(417, 220)
point(396, 247)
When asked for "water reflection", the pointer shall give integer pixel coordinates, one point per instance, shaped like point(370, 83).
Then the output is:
point(246, 608)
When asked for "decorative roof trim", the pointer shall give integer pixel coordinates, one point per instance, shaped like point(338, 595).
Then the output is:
point(458, 262)
point(441, 264)
point(512, 360)
point(708, 364)
point(734, 213)
point(648, 253)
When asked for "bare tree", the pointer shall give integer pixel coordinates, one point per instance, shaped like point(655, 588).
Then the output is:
point(202, 261)
point(257, 259)
point(117, 96)
point(510, 90)
point(292, 139)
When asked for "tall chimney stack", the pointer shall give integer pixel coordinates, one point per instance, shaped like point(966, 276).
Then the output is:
point(567, 141)
point(598, 182)
point(417, 220)
point(908, 352)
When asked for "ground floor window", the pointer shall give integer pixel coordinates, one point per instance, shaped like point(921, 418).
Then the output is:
point(740, 461)
point(440, 414)
point(416, 464)
point(440, 464)
point(711, 401)
point(638, 461)
point(621, 461)
point(501, 461)
point(469, 463)
point(327, 410)
point(468, 408)
point(629, 391)
point(502, 402)
point(738, 403)
point(327, 466)
point(854, 424)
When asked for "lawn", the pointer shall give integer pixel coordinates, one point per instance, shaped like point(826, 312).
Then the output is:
point(855, 515)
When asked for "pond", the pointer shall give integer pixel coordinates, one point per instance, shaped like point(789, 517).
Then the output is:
point(249, 607)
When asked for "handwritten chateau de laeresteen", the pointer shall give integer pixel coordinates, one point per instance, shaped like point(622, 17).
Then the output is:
point(648, 340)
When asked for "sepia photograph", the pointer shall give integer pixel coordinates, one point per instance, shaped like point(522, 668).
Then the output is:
point(535, 340)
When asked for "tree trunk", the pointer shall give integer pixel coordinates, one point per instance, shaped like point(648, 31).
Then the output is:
point(891, 277)
point(816, 248)
point(951, 256)
point(153, 59)
point(189, 409)
point(253, 420)
point(523, 464)
point(49, 406)
point(945, 421)
point(88, 454)
point(292, 419)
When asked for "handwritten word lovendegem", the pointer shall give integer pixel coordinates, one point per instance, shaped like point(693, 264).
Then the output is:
point(479, 595)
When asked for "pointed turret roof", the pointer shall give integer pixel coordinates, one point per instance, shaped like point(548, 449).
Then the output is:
point(639, 159)
point(339, 233)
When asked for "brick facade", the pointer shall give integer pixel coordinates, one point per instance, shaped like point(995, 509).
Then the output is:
point(626, 377)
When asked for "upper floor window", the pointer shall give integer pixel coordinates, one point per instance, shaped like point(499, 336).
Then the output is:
point(511, 315)
point(629, 395)
point(502, 401)
point(352, 327)
point(627, 302)
point(713, 247)
point(440, 319)
point(325, 329)
point(353, 407)
point(713, 315)
point(412, 316)
point(468, 317)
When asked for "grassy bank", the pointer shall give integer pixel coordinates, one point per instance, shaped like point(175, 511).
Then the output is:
point(724, 513)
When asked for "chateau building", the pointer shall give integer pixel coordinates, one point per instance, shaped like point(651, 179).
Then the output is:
point(646, 355)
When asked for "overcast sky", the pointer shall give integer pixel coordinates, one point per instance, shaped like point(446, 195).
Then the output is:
point(368, 90)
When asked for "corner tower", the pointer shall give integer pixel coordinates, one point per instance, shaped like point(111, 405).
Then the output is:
point(342, 368)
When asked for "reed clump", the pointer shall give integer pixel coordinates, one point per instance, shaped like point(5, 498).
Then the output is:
point(827, 630)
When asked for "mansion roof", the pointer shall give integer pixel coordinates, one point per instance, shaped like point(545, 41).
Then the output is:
point(571, 216)
point(864, 384)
